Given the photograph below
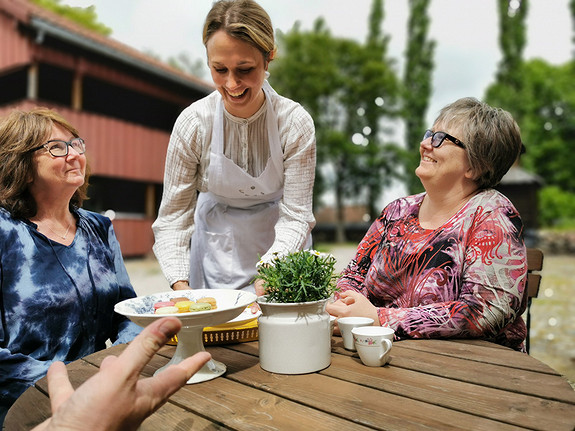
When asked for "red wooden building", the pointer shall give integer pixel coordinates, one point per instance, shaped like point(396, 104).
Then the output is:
point(123, 102)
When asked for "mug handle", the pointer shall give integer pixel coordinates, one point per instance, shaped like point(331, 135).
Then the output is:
point(386, 349)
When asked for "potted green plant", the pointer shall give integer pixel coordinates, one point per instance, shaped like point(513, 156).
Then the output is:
point(294, 328)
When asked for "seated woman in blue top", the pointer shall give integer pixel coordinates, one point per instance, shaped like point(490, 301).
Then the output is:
point(61, 269)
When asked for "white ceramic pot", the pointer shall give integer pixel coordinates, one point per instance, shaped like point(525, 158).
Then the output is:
point(294, 338)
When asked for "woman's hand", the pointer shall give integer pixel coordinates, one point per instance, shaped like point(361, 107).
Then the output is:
point(116, 398)
point(352, 303)
point(180, 285)
point(259, 286)
point(260, 290)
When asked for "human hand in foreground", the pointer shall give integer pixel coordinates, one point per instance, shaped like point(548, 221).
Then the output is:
point(115, 398)
point(352, 303)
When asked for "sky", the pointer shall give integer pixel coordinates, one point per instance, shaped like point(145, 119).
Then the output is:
point(465, 31)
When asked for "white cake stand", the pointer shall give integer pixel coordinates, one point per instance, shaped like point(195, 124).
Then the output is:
point(230, 304)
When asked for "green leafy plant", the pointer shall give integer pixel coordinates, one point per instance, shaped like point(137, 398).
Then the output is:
point(301, 276)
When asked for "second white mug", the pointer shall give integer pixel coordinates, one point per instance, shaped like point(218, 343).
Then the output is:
point(373, 344)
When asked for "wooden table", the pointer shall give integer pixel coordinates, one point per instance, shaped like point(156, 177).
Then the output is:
point(429, 384)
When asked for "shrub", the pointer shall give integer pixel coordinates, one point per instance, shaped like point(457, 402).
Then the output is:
point(556, 208)
point(300, 276)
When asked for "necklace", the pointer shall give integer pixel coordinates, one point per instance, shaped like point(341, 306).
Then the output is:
point(65, 233)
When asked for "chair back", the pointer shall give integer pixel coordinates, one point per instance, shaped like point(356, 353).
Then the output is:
point(534, 265)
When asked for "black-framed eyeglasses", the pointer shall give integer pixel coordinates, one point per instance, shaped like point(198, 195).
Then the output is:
point(59, 148)
point(437, 138)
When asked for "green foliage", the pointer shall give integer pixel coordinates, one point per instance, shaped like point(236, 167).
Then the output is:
point(509, 84)
point(302, 276)
point(348, 88)
point(547, 104)
point(186, 64)
point(541, 98)
point(86, 17)
point(512, 39)
point(557, 208)
point(417, 86)
point(572, 8)
point(548, 126)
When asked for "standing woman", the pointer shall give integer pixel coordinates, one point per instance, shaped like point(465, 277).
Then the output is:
point(240, 164)
point(61, 269)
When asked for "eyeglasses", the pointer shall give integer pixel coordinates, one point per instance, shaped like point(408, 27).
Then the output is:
point(59, 148)
point(437, 138)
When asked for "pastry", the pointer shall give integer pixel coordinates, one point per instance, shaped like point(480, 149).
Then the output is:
point(208, 300)
point(167, 310)
point(179, 298)
point(183, 306)
point(163, 304)
point(200, 306)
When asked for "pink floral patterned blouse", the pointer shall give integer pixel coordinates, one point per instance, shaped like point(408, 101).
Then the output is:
point(465, 279)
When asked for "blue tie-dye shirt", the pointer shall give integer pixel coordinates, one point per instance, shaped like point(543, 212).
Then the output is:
point(56, 301)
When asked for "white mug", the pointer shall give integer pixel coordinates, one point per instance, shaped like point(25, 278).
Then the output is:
point(346, 324)
point(373, 343)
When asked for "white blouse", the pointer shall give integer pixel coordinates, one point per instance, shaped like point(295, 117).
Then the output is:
point(247, 145)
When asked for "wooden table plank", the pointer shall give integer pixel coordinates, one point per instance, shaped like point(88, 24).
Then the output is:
point(360, 404)
point(242, 407)
point(506, 357)
point(512, 408)
point(78, 372)
point(19, 416)
point(478, 342)
point(481, 373)
point(493, 377)
point(175, 418)
point(250, 348)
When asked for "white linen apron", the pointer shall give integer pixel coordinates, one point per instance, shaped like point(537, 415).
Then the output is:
point(235, 219)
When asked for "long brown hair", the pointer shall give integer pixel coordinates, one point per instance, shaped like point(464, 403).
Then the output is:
point(21, 132)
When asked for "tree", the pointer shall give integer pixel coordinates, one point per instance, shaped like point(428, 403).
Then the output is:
point(86, 17)
point(548, 125)
point(185, 63)
point(417, 86)
point(379, 97)
point(541, 97)
point(348, 88)
point(572, 7)
point(507, 90)
point(305, 71)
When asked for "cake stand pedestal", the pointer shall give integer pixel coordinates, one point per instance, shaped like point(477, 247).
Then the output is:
point(190, 342)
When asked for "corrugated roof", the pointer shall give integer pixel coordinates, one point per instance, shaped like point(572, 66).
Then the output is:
point(518, 175)
point(46, 22)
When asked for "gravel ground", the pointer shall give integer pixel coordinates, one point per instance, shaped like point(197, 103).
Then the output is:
point(553, 316)
point(552, 313)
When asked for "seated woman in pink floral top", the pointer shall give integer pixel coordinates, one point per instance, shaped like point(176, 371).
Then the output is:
point(449, 262)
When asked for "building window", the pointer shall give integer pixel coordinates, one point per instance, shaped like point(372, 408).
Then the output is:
point(126, 198)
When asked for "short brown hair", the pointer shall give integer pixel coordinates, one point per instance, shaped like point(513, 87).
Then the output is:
point(21, 132)
point(245, 20)
point(491, 136)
